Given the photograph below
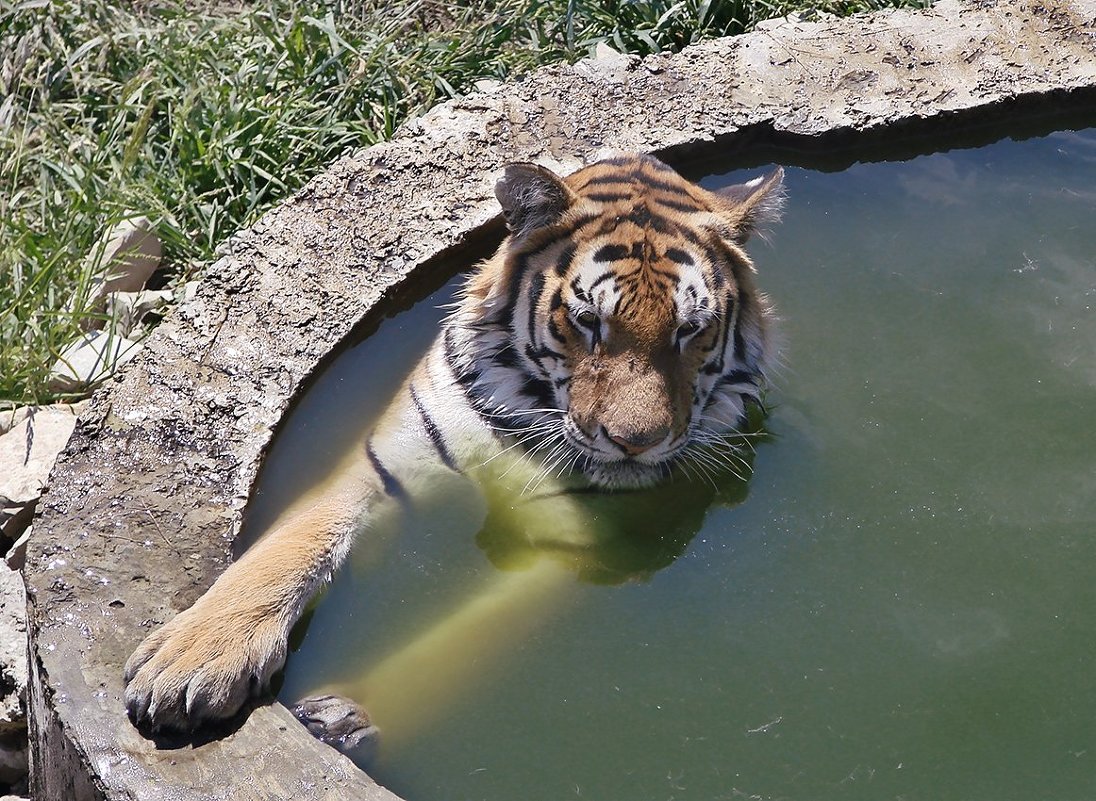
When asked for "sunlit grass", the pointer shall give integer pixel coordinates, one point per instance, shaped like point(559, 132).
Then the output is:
point(201, 121)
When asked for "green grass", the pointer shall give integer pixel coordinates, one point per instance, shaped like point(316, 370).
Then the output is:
point(202, 121)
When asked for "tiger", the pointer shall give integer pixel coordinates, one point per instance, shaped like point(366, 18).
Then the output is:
point(617, 330)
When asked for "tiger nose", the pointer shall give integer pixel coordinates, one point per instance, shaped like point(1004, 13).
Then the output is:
point(634, 443)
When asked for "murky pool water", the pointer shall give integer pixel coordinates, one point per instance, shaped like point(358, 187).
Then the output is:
point(899, 604)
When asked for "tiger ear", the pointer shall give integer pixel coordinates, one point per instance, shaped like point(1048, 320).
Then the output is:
point(750, 207)
point(532, 197)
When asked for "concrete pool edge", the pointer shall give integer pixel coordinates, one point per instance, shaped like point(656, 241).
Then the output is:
point(167, 455)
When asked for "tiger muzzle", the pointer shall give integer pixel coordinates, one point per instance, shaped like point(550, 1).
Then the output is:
point(634, 412)
point(633, 442)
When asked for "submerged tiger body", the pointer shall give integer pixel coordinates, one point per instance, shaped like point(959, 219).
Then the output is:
point(616, 334)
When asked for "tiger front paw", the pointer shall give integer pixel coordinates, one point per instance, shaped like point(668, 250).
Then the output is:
point(202, 666)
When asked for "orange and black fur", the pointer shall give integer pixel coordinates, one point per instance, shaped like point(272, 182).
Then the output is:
point(616, 332)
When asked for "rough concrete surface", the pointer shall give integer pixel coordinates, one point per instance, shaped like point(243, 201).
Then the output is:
point(145, 501)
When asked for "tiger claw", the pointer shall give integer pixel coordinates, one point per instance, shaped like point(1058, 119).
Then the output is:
point(200, 669)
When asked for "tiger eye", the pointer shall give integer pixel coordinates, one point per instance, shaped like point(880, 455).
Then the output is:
point(587, 318)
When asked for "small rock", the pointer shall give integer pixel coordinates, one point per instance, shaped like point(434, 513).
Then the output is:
point(13, 416)
point(17, 554)
point(13, 677)
point(123, 260)
point(126, 310)
point(28, 450)
point(604, 50)
point(14, 524)
point(187, 292)
point(606, 64)
point(126, 256)
point(89, 360)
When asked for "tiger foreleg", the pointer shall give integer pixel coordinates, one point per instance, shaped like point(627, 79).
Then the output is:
point(206, 662)
point(431, 672)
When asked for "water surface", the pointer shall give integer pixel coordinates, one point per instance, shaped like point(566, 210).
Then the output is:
point(900, 602)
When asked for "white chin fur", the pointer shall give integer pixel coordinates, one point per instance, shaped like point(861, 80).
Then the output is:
point(624, 474)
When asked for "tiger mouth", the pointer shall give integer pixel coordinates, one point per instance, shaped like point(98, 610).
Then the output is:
point(613, 469)
point(627, 474)
point(610, 454)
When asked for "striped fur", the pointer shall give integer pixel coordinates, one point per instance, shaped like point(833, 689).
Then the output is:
point(617, 331)
point(627, 325)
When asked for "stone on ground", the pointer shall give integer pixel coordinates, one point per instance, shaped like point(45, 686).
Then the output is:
point(28, 450)
point(91, 359)
point(13, 679)
point(27, 453)
point(126, 257)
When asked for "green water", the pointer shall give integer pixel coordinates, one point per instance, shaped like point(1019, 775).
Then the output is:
point(901, 602)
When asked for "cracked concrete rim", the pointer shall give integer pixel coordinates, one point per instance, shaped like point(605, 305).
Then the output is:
point(145, 502)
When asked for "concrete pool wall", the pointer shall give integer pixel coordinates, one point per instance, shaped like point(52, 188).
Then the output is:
point(145, 502)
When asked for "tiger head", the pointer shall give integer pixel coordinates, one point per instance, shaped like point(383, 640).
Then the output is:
point(618, 329)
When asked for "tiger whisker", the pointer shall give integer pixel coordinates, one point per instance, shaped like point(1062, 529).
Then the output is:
point(569, 467)
point(719, 448)
point(520, 412)
point(505, 431)
point(711, 461)
point(721, 441)
point(557, 458)
point(684, 465)
point(534, 433)
point(731, 429)
point(705, 472)
point(716, 458)
point(546, 442)
point(548, 464)
point(504, 413)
